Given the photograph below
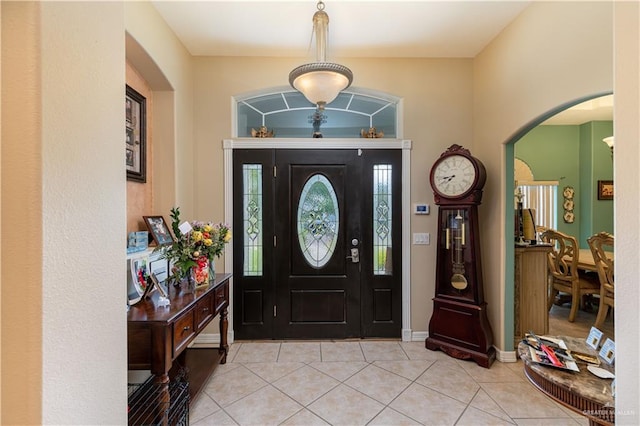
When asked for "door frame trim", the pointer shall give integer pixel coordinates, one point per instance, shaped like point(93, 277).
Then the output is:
point(228, 145)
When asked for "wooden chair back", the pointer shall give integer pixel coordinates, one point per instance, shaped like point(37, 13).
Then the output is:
point(600, 244)
point(563, 258)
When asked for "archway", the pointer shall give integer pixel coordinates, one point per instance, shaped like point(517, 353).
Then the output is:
point(509, 216)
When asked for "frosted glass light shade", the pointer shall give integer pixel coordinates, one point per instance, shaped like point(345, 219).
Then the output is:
point(320, 82)
point(608, 141)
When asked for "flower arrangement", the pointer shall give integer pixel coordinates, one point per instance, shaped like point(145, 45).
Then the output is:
point(195, 249)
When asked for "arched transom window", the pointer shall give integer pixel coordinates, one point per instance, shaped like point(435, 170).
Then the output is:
point(288, 114)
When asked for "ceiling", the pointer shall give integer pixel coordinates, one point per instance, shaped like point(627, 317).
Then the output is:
point(357, 28)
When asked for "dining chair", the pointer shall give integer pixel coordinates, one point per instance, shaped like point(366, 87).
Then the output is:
point(562, 262)
point(600, 244)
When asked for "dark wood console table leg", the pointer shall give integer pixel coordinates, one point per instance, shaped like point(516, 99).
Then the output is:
point(164, 397)
point(224, 327)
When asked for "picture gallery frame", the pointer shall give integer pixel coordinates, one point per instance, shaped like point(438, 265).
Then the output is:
point(605, 190)
point(135, 136)
point(159, 230)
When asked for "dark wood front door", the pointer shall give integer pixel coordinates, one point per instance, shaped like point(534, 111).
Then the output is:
point(329, 261)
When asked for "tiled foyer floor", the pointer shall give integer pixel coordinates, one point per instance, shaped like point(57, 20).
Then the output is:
point(368, 383)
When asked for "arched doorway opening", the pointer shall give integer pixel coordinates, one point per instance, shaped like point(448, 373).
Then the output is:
point(510, 187)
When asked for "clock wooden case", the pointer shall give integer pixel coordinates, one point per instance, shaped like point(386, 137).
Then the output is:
point(459, 324)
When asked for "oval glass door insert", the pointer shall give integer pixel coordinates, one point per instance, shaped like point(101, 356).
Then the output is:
point(318, 220)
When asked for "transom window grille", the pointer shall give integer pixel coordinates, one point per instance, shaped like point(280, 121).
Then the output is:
point(318, 220)
point(382, 219)
point(288, 114)
point(542, 197)
point(252, 219)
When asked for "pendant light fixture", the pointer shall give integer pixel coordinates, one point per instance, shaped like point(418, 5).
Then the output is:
point(321, 81)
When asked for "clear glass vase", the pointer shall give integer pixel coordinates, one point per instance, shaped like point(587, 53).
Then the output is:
point(201, 274)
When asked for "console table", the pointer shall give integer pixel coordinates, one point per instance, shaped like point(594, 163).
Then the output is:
point(158, 337)
point(580, 391)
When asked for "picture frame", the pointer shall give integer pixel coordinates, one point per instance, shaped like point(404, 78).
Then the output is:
point(135, 136)
point(158, 229)
point(605, 190)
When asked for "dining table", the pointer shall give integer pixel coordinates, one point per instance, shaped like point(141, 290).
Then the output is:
point(586, 262)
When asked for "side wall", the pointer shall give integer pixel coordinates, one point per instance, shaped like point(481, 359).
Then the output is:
point(548, 70)
point(62, 175)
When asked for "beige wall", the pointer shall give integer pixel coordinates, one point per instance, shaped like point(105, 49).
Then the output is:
point(63, 192)
point(525, 72)
point(437, 100)
point(626, 206)
point(21, 200)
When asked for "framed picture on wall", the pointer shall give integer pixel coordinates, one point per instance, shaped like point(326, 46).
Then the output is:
point(135, 136)
point(605, 190)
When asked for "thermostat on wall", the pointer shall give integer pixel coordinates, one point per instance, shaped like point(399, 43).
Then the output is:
point(421, 209)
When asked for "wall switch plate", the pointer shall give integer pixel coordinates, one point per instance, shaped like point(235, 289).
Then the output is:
point(421, 238)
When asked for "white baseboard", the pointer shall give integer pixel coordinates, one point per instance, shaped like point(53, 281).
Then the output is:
point(506, 356)
point(419, 336)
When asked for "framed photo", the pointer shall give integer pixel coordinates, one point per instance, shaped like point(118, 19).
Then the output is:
point(135, 136)
point(608, 351)
point(605, 190)
point(158, 229)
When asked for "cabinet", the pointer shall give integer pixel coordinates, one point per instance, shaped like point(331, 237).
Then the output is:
point(530, 291)
point(159, 337)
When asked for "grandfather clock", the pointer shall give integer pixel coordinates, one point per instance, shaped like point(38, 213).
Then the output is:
point(459, 325)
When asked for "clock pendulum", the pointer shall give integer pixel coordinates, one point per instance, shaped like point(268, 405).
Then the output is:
point(459, 325)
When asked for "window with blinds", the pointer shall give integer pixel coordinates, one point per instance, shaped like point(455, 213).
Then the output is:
point(542, 197)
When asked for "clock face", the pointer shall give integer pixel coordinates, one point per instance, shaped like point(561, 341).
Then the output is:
point(453, 176)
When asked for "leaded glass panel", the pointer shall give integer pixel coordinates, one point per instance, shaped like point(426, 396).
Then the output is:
point(252, 219)
point(382, 220)
point(318, 220)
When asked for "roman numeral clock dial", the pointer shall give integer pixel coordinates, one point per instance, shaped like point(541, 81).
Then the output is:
point(459, 325)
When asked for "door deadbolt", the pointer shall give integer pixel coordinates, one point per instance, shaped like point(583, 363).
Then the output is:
point(355, 255)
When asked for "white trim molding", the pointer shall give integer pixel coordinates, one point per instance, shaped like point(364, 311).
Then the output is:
point(405, 145)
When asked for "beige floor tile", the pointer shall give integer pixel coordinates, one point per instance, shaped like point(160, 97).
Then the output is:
point(340, 371)
point(272, 371)
point(257, 352)
point(306, 384)
point(383, 351)
point(473, 416)
point(225, 368)
point(428, 406)
point(236, 384)
point(341, 351)
point(483, 402)
point(203, 406)
point(417, 350)
point(269, 406)
point(522, 400)
point(448, 378)
point(378, 383)
point(299, 352)
point(499, 372)
point(233, 351)
point(345, 406)
point(391, 417)
point(304, 417)
point(411, 369)
point(219, 418)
